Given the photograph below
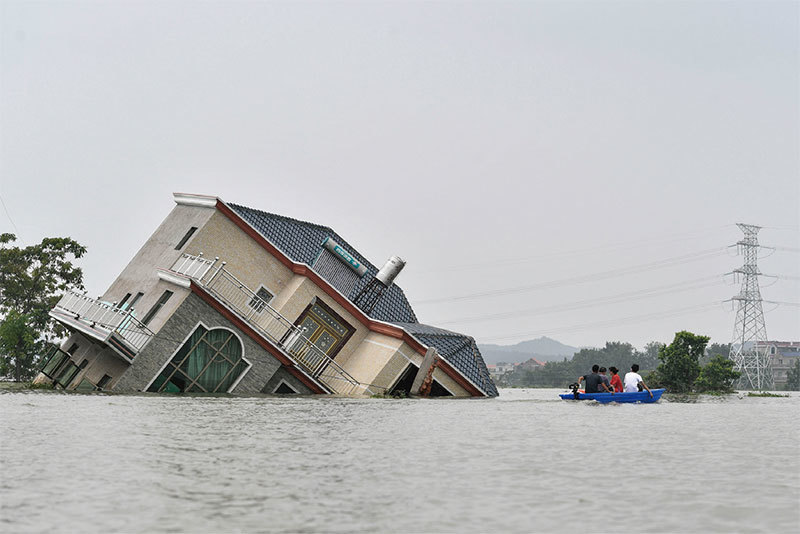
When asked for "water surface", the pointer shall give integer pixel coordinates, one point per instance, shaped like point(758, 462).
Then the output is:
point(524, 462)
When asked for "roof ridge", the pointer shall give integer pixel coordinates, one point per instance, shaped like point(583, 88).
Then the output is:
point(284, 217)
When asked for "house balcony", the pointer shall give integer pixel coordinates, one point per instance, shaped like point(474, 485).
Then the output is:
point(103, 322)
point(212, 276)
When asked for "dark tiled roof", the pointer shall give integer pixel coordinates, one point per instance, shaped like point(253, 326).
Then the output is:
point(458, 349)
point(302, 242)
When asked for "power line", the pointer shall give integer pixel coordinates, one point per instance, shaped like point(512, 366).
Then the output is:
point(12, 221)
point(613, 322)
point(641, 294)
point(604, 275)
point(626, 245)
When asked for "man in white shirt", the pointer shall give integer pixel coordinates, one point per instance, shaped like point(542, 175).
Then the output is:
point(633, 379)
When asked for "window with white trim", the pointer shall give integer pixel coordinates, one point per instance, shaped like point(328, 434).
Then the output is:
point(260, 299)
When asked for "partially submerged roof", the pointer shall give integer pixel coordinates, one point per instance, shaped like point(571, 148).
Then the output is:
point(302, 242)
point(458, 349)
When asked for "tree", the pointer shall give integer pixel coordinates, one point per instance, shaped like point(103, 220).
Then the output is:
point(648, 359)
point(32, 280)
point(793, 377)
point(680, 367)
point(723, 349)
point(18, 345)
point(717, 375)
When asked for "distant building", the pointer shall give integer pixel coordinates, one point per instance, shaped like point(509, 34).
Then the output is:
point(504, 367)
point(531, 364)
point(783, 355)
point(228, 299)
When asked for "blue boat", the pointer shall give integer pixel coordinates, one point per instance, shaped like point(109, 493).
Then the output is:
point(605, 398)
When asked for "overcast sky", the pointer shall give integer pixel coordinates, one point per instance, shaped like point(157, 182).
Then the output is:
point(564, 148)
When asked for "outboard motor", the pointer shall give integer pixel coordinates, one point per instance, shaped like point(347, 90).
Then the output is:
point(574, 387)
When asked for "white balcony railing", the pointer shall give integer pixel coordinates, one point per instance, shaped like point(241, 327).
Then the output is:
point(105, 318)
point(193, 266)
point(269, 323)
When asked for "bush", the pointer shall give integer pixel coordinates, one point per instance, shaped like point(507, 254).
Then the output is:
point(717, 375)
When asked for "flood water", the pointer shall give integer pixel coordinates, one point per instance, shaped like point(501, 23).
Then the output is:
point(524, 462)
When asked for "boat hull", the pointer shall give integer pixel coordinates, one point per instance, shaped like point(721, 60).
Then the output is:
point(605, 398)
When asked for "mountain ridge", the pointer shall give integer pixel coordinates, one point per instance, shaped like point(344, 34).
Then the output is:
point(543, 349)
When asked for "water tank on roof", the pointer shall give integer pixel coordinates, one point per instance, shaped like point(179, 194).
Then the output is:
point(390, 270)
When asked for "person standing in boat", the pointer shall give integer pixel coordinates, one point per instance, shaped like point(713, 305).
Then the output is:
point(633, 381)
point(616, 381)
point(593, 380)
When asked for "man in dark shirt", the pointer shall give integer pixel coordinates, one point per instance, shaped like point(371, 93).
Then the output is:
point(592, 381)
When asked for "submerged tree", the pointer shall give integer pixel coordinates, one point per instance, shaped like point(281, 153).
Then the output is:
point(32, 280)
point(717, 375)
point(680, 367)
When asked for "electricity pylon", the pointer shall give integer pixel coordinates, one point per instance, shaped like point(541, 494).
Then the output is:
point(749, 350)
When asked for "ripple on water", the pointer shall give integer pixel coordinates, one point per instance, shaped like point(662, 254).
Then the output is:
point(524, 462)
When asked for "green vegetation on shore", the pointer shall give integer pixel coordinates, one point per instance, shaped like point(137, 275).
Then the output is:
point(32, 280)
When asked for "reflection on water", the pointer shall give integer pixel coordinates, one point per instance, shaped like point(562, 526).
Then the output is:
point(526, 461)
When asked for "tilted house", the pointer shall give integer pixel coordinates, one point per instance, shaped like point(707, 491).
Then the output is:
point(225, 298)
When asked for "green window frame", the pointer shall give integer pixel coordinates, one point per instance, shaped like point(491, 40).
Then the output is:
point(209, 361)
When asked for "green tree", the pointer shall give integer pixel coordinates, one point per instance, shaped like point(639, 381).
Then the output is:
point(648, 358)
point(18, 345)
point(793, 377)
point(32, 279)
point(723, 349)
point(717, 375)
point(680, 367)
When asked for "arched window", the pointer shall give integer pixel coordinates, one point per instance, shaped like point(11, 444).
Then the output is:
point(210, 361)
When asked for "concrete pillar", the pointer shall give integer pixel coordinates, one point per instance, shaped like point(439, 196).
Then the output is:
point(424, 379)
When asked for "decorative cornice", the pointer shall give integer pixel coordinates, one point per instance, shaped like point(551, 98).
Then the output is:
point(174, 278)
point(187, 199)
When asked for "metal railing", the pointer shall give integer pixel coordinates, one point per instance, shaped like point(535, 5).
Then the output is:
point(193, 266)
point(271, 324)
point(105, 317)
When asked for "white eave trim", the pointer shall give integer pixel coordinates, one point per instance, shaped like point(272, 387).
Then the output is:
point(174, 278)
point(187, 199)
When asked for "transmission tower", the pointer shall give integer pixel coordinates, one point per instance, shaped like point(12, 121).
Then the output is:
point(749, 350)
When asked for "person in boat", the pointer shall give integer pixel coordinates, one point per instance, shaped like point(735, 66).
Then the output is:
point(634, 382)
point(605, 385)
point(616, 381)
point(593, 381)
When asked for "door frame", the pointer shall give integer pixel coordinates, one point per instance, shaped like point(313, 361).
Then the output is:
point(316, 301)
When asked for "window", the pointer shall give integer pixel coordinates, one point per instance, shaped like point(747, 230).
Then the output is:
point(260, 299)
point(83, 364)
point(285, 389)
point(157, 306)
point(72, 349)
point(209, 361)
point(103, 382)
point(123, 301)
point(186, 238)
point(135, 300)
point(780, 362)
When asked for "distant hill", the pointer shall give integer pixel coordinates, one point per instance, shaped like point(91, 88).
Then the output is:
point(543, 349)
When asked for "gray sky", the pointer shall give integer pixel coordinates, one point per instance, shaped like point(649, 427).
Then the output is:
point(491, 145)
